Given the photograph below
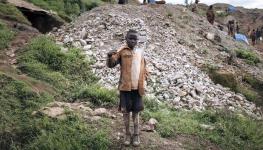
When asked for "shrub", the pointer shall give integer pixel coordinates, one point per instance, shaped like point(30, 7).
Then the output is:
point(250, 57)
point(254, 82)
point(224, 78)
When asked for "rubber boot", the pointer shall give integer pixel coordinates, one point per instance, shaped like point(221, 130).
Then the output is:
point(136, 137)
point(127, 138)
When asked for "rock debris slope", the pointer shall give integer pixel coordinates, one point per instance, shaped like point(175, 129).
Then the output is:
point(171, 37)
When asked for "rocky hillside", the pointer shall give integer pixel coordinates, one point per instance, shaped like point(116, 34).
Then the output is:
point(50, 97)
point(179, 46)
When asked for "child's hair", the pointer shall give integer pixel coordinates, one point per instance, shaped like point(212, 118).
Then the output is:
point(132, 31)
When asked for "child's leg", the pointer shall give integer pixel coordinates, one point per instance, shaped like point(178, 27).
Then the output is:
point(126, 120)
point(135, 118)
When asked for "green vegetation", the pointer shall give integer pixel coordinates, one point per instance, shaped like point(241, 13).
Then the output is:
point(9, 11)
point(229, 80)
point(222, 14)
point(5, 36)
point(68, 72)
point(227, 130)
point(250, 57)
point(19, 129)
point(67, 9)
point(99, 96)
point(255, 83)
point(70, 75)
point(255, 93)
point(224, 78)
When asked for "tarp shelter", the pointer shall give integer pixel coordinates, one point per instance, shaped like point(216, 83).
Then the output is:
point(231, 9)
point(241, 37)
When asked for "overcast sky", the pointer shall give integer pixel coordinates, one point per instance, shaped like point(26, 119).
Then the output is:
point(244, 3)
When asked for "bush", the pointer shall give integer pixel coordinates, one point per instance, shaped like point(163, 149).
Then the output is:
point(255, 83)
point(224, 78)
point(250, 57)
point(6, 36)
point(249, 94)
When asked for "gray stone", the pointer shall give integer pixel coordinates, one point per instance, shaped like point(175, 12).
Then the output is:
point(87, 47)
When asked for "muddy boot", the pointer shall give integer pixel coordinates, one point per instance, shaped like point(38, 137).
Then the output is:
point(136, 138)
point(126, 119)
point(127, 140)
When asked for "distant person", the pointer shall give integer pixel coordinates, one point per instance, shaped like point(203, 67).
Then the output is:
point(131, 86)
point(123, 2)
point(237, 27)
point(195, 6)
point(253, 37)
point(258, 35)
point(210, 15)
point(231, 28)
point(145, 1)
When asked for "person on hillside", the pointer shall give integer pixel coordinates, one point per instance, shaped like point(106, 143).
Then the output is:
point(253, 37)
point(210, 15)
point(195, 6)
point(231, 28)
point(131, 85)
point(144, 1)
point(237, 27)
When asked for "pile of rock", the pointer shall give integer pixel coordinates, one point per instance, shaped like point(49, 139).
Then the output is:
point(174, 75)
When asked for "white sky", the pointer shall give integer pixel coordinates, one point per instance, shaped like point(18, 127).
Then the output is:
point(244, 3)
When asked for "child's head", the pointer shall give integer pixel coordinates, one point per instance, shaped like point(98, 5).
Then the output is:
point(131, 38)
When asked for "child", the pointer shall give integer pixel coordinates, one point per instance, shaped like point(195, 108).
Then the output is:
point(131, 84)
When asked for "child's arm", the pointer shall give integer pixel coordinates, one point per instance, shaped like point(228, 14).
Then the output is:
point(113, 59)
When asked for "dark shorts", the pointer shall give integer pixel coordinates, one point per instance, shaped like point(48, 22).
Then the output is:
point(130, 101)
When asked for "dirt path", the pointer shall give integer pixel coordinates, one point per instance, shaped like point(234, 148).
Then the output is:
point(152, 140)
point(114, 126)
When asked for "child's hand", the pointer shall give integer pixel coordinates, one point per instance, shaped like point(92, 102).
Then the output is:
point(112, 53)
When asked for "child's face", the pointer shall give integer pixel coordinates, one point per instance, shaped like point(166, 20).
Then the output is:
point(132, 40)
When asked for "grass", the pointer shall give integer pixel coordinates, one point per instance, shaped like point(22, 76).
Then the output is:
point(231, 131)
point(9, 11)
point(99, 96)
point(249, 56)
point(68, 73)
point(251, 92)
point(67, 9)
point(19, 129)
point(6, 36)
